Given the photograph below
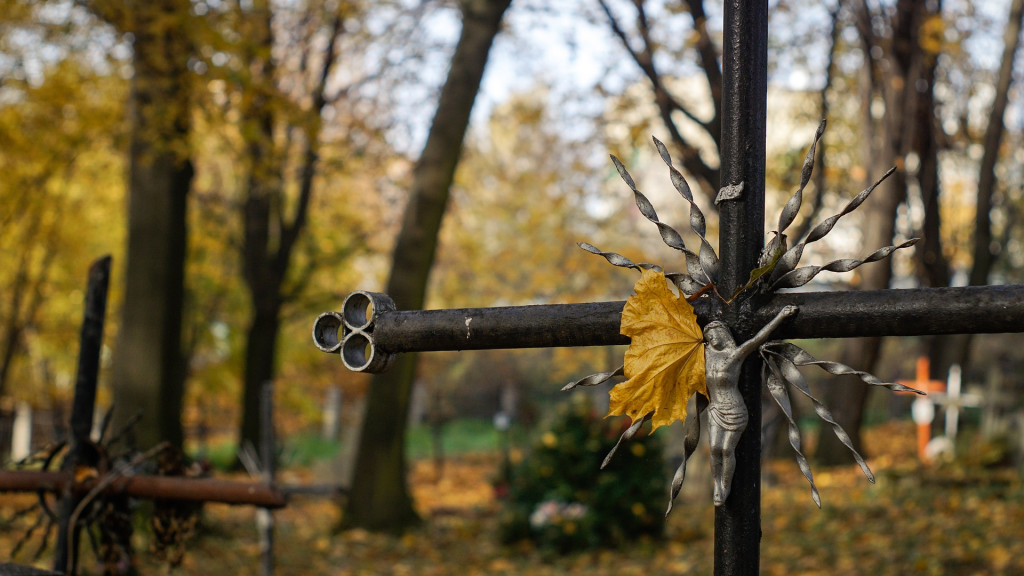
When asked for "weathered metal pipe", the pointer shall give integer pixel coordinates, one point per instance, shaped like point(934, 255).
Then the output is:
point(741, 238)
point(975, 309)
point(539, 326)
point(150, 487)
point(916, 312)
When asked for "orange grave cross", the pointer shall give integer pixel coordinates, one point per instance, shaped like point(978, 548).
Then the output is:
point(923, 409)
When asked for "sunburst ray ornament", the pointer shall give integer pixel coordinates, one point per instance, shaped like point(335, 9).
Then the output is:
point(671, 359)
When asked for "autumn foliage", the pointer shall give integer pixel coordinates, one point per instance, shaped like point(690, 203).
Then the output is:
point(665, 360)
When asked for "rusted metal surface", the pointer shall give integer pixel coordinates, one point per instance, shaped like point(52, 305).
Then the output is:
point(151, 487)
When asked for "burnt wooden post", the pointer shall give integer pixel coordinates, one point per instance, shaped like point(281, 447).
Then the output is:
point(81, 451)
point(369, 332)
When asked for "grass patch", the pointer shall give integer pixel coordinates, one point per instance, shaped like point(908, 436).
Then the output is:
point(463, 436)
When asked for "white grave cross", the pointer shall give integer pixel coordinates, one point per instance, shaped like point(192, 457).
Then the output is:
point(954, 401)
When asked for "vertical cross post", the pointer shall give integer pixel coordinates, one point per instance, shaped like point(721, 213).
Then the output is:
point(741, 238)
point(81, 451)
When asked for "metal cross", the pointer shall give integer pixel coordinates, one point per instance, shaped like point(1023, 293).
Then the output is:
point(370, 339)
point(74, 494)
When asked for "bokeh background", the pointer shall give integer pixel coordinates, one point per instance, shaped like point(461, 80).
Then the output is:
point(249, 163)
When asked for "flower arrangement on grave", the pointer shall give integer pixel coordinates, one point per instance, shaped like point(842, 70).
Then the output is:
point(554, 500)
point(671, 358)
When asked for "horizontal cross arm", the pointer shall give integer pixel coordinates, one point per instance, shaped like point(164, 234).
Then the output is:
point(916, 312)
point(538, 326)
point(151, 487)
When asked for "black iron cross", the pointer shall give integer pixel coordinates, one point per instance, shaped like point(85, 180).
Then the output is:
point(371, 340)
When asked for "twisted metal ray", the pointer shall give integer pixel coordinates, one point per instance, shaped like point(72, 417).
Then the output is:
point(626, 437)
point(800, 357)
point(594, 379)
point(777, 388)
point(689, 446)
point(708, 259)
point(792, 256)
point(694, 263)
point(702, 268)
point(618, 259)
point(801, 276)
point(792, 207)
point(786, 371)
point(686, 284)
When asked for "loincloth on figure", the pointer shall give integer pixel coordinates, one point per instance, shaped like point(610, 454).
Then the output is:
point(732, 417)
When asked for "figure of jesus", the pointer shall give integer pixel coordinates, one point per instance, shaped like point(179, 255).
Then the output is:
point(727, 414)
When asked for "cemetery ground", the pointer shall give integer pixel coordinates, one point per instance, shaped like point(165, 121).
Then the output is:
point(959, 518)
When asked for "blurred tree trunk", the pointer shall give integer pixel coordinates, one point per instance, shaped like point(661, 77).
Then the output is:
point(21, 315)
point(893, 77)
point(949, 350)
point(147, 371)
point(269, 236)
point(379, 498)
point(932, 265)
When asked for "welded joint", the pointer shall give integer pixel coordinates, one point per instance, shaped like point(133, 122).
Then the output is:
point(730, 192)
point(350, 332)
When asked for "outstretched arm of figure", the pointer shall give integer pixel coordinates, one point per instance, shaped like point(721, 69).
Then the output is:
point(748, 347)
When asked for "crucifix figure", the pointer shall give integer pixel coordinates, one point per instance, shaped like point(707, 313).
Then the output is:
point(727, 414)
point(737, 287)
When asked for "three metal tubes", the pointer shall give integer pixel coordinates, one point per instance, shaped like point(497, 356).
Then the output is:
point(351, 331)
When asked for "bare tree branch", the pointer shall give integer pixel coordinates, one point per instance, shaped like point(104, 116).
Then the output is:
point(709, 62)
point(819, 173)
point(983, 256)
point(291, 232)
point(666, 103)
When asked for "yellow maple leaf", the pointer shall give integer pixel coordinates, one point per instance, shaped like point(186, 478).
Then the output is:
point(665, 361)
